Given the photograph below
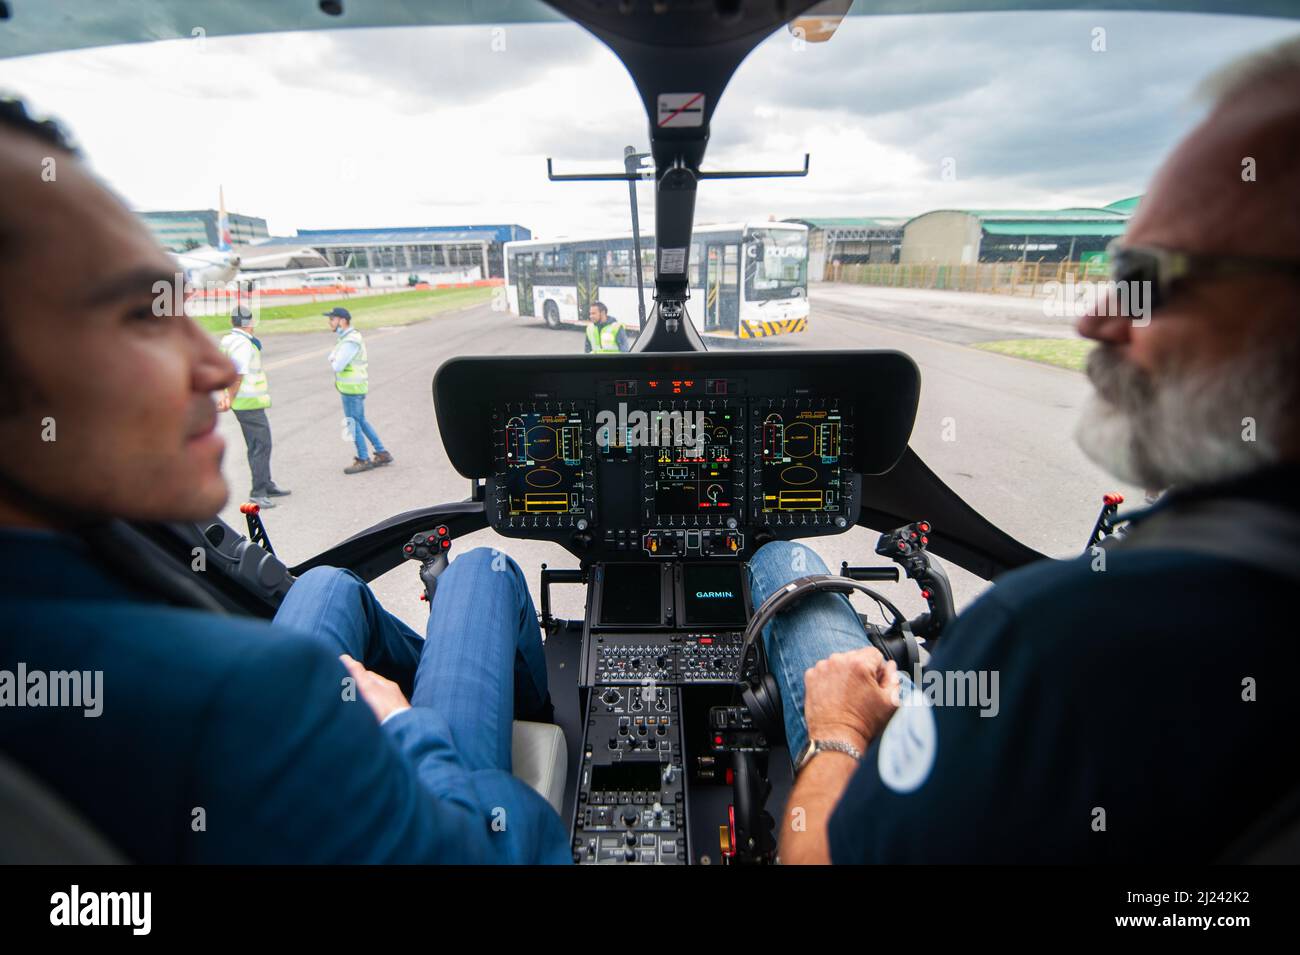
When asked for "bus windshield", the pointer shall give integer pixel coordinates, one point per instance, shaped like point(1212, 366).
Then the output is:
point(777, 266)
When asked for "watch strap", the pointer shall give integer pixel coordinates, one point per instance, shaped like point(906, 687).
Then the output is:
point(824, 745)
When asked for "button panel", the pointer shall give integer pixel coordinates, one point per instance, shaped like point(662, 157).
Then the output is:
point(631, 806)
point(656, 660)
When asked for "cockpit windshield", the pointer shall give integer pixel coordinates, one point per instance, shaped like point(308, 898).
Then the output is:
point(966, 175)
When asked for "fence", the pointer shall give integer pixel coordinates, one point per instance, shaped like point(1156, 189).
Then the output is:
point(999, 278)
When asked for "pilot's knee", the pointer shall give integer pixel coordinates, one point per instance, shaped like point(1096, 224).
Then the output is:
point(318, 587)
point(491, 560)
point(500, 569)
point(779, 562)
point(320, 579)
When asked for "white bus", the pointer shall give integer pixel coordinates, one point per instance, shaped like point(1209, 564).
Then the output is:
point(747, 281)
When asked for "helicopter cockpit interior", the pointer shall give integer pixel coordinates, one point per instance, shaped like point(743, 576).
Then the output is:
point(660, 473)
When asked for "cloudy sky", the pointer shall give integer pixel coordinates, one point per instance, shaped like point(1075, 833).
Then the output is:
point(383, 127)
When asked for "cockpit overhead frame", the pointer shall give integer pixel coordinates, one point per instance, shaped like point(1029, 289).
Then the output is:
point(660, 45)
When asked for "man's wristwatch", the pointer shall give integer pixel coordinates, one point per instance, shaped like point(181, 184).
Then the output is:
point(815, 746)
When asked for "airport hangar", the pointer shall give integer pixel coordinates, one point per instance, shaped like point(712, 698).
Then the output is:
point(965, 236)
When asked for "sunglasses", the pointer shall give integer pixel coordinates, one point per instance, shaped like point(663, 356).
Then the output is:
point(1162, 270)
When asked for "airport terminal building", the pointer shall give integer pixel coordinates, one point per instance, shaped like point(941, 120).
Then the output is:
point(181, 231)
point(412, 249)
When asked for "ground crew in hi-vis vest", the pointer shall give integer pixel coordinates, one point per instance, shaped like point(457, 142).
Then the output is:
point(249, 397)
point(605, 335)
point(352, 379)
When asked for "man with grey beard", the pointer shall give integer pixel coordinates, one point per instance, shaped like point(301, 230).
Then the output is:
point(1146, 710)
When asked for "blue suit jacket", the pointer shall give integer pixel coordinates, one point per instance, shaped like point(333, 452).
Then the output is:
point(223, 739)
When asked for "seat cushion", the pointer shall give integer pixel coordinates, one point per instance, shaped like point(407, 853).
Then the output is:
point(38, 828)
point(540, 757)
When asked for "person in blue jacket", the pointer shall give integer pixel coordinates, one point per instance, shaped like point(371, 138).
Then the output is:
point(333, 734)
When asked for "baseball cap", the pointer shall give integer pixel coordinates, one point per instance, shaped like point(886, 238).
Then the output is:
point(337, 312)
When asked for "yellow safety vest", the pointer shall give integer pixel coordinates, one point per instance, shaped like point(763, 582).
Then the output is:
point(254, 392)
point(353, 379)
point(605, 338)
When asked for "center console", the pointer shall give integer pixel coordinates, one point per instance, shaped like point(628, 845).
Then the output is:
point(663, 474)
point(632, 787)
point(653, 634)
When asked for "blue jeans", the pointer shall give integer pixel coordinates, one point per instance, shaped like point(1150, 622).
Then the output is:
point(797, 638)
point(354, 410)
point(479, 665)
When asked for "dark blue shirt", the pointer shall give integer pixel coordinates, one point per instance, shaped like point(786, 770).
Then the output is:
point(244, 722)
point(1125, 730)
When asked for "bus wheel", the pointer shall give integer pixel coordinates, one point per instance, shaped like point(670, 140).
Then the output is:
point(551, 314)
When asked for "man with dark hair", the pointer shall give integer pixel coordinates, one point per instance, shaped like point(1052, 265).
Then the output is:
point(15, 118)
point(249, 397)
point(334, 734)
point(13, 114)
point(605, 335)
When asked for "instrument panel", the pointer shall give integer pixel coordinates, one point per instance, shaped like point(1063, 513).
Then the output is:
point(699, 456)
point(544, 463)
point(798, 453)
point(706, 473)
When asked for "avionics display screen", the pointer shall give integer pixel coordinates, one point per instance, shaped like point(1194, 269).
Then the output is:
point(543, 463)
point(696, 477)
point(629, 776)
point(714, 595)
point(631, 594)
point(799, 458)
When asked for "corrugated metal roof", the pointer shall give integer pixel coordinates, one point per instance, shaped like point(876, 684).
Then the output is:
point(1072, 221)
point(402, 236)
point(1045, 215)
point(1127, 206)
point(1043, 227)
point(854, 222)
